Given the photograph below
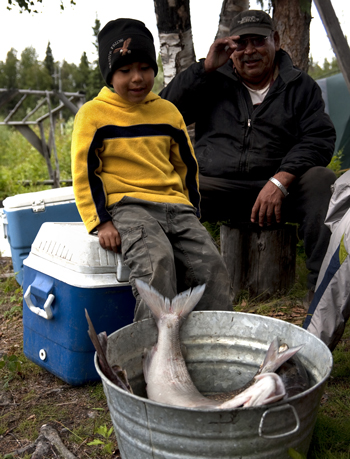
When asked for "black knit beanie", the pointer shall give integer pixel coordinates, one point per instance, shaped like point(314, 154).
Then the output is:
point(122, 42)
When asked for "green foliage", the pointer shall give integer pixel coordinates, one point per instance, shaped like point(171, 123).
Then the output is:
point(15, 311)
point(11, 366)
point(29, 73)
point(8, 74)
point(328, 68)
point(19, 161)
point(27, 5)
point(295, 455)
point(106, 444)
point(159, 79)
point(336, 163)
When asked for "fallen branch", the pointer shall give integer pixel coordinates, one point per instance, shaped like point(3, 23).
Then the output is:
point(47, 439)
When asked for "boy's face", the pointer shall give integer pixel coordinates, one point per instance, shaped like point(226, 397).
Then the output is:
point(133, 81)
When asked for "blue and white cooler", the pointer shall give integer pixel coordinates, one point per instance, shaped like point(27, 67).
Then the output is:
point(66, 272)
point(25, 213)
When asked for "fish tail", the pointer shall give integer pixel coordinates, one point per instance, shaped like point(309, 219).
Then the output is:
point(274, 359)
point(182, 304)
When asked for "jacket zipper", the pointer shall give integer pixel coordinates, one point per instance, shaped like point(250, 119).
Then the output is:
point(248, 126)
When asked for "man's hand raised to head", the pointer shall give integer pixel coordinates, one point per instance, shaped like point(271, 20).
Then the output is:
point(219, 53)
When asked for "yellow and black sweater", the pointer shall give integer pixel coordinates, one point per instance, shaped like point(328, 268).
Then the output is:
point(137, 150)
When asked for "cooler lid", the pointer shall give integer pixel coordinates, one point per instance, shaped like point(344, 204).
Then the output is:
point(52, 196)
point(69, 245)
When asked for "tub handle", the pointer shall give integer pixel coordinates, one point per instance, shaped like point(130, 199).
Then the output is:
point(278, 409)
point(47, 312)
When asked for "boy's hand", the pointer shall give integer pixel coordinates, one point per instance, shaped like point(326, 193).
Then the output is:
point(109, 236)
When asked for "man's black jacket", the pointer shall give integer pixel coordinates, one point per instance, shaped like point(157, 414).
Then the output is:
point(288, 132)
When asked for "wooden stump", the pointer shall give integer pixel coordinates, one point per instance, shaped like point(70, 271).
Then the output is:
point(259, 260)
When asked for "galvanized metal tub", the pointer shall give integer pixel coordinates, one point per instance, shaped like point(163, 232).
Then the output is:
point(223, 352)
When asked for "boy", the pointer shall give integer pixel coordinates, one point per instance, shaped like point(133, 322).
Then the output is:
point(135, 175)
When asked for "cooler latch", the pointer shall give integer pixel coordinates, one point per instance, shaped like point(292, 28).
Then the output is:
point(38, 206)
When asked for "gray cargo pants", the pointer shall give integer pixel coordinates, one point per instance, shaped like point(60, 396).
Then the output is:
point(166, 246)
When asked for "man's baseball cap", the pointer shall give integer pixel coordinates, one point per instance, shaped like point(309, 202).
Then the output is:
point(250, 22)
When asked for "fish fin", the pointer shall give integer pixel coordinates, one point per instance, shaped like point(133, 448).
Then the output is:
point(184, 302)
point(273, 359)
point(157, 303)
point(278, 392)
point(267, 388)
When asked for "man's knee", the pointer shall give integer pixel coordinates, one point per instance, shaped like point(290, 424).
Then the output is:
point(319, 177)
point(316, 184)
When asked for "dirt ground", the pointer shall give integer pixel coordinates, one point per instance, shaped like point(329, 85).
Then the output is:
point(35, 398)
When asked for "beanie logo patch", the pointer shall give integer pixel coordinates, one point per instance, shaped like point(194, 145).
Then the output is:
point(124, 50)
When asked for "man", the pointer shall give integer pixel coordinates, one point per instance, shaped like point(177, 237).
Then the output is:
point(262, 139)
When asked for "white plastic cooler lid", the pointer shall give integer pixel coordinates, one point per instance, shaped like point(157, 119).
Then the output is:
point(52, 196)
point(70, 246)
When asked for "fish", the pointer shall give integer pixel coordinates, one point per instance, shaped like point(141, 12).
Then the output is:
point(293, 374)
point(165, 371)
point(115, 374)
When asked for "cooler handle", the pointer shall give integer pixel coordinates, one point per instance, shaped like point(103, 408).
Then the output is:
point(47, 312)
point(279, 408)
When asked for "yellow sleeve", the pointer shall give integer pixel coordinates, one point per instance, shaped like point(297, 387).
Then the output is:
point(88, 186)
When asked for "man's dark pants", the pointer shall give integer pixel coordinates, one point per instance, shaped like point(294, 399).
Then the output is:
point(306, 204)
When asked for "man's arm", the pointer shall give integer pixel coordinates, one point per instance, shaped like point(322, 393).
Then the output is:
point(314, 148)
point(187, 90)
point(316, 133)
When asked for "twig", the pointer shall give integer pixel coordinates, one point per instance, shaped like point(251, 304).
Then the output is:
point(66, 403)
point(52, 435)
point(58, 422)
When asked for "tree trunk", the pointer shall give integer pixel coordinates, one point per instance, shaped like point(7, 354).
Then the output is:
point(229, 9)
point(175, 36)
point(292, 18)
point(260, 261)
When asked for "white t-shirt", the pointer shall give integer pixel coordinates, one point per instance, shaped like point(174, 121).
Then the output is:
point(258, 95)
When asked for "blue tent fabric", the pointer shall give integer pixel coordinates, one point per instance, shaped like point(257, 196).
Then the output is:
point(337, 101)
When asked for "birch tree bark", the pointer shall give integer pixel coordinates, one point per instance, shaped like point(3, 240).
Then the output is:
point(292, 18)
point(229, 9)
point(175, 36)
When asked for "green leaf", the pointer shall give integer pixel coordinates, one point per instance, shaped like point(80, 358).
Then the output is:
point(95, 442)
point(295, 455)
point(108, 448)
point(102, 430)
